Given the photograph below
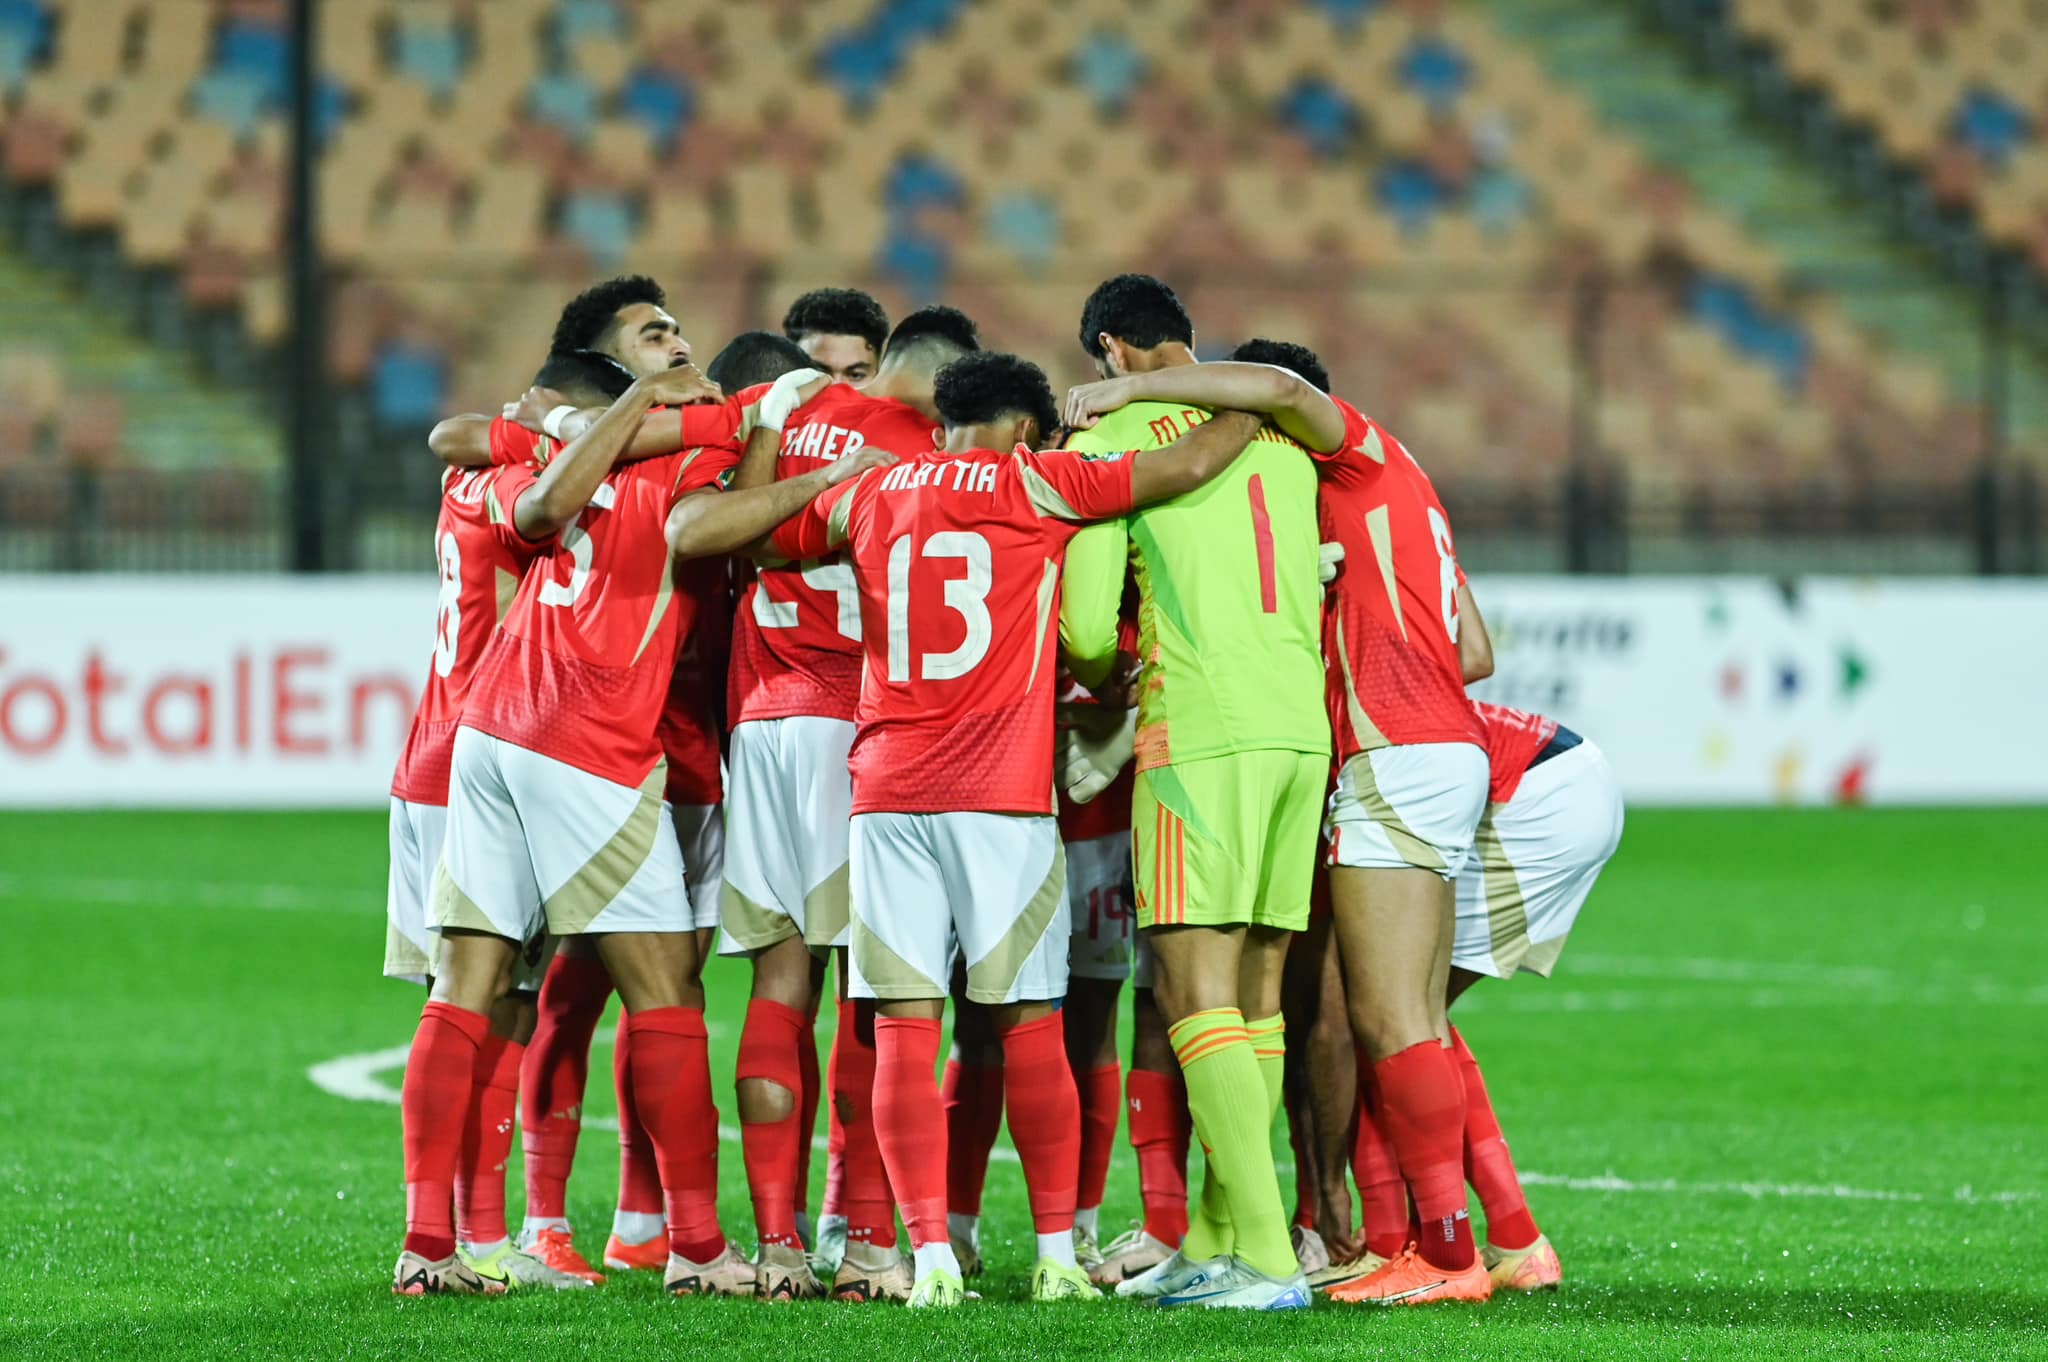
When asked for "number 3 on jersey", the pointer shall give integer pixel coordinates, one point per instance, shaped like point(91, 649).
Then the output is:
point(582, 552)
point(965, 596)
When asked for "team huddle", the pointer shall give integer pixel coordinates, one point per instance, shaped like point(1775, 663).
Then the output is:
point(860, 645)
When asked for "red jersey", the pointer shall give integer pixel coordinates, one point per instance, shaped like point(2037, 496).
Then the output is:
point(581, 667)
point(691, 720)
point(1390, 620)
point(957, 560)
point(1513, 738)
point(703, 423)
point(1110, 811)
point(797, 644)
point(481, 556)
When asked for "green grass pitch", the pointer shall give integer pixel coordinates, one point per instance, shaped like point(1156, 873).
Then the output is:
point(1788, 1096)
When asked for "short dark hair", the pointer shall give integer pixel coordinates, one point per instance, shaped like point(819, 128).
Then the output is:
point(1285, 355)
point(837, 312)
point(937, 333)
point(591, 314)
point(1138, 310)
point(584, 374)
point(978, 388)
point(752, 358)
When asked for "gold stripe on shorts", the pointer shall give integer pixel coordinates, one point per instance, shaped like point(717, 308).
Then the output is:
point(572, 908)
point(751, 924)
point(454, 910)
point(990, 979)
point(1411, 848)
point(887, 974)
point(1507, 912)
point(828, 907)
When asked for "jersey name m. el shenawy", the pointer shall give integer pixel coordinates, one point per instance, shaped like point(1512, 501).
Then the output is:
point(1228, 597)
point(796, 647)
point(580, 668)
point(957, 560)
point(481, 557)
point(1390, 627)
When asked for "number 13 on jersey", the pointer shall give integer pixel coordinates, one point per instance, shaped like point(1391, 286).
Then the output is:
point(965, 596)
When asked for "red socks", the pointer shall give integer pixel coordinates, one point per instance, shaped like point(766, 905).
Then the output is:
point(807, 1111)
point(913, 1145)
point(865, 1177)
point(1102, 1099)
point(440, 1075)
point(487, 1143)
point(639, 1175)
point(670, 1073)
point(834, 1202)
point(1160, 1131)
point(1045, 1119)
point(1424, 1105)
point(1488, 1166)
point(1384, 1197)
point(973, 1098)
point(769, 1052)
point(572, 998)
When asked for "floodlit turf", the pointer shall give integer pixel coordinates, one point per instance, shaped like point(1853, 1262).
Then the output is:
point(1786, 1097)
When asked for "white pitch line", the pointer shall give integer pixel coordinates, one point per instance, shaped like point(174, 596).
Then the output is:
point(185, 893)
point(356, 1078)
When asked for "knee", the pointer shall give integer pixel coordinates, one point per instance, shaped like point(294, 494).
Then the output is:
point(764, 1101)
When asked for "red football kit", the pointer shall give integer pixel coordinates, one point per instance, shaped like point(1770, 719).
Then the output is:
point(1390, 621)
point(691, 725)
point(797, 642)
point(957, 561)
point(1513, 738)
point(481, 557)
point(581, 667)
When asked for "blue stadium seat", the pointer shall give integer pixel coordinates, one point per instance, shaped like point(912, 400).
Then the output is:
point(1990, 125)
point(1500, 200)
point(429, 49)
point(1108, 67)
point(1323, 115)
point(576, 20)
point(406, 384)
point(1434, 69)
point(1410, 194)
point(917, 261)
point(600, 221)
point(916, 180)
point(237, 98)
point(659, 101)
point(257, 52)
point(1027, 224)
point(564, 98)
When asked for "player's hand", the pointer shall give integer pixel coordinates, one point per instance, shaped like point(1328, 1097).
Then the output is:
point(1328, 556)
point(532, 408)
point(1086, 404)
point(857, 465)
point(1095, 741)
point(786, 394)
point(1333, 1222)
point(1119, 690)
point(679, 387)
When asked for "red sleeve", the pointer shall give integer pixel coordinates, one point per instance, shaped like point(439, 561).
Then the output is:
point(819, 528)
point(1068, 485)
point(699, 469)
point(1357, 433)
point(514, 443)
point(508, 483)
point(712, 423)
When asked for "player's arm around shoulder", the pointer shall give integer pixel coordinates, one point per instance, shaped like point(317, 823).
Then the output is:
point(1301, 410)
point(704, 524)
point(571, 478)
point(1193, 459)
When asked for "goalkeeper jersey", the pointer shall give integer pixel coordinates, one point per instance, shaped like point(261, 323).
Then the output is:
point(1229, 606)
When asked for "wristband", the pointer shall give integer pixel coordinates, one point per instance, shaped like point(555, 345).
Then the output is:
point(552, 422)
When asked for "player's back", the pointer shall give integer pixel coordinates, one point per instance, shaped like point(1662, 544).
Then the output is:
point(1227, 576)
point(797, 638)
point(1391, 627)
point(480, 558)
point(582, 665)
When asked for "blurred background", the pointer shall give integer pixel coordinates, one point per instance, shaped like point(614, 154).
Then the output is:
point(1648, 285)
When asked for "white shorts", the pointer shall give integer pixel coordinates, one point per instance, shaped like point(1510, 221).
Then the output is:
point(1099, 897)
point(1414, 806)
point(537, 845)
point(700, 836)
point(990, 885)
point(1534, 862)
point(417, 831)
point(788, 801)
